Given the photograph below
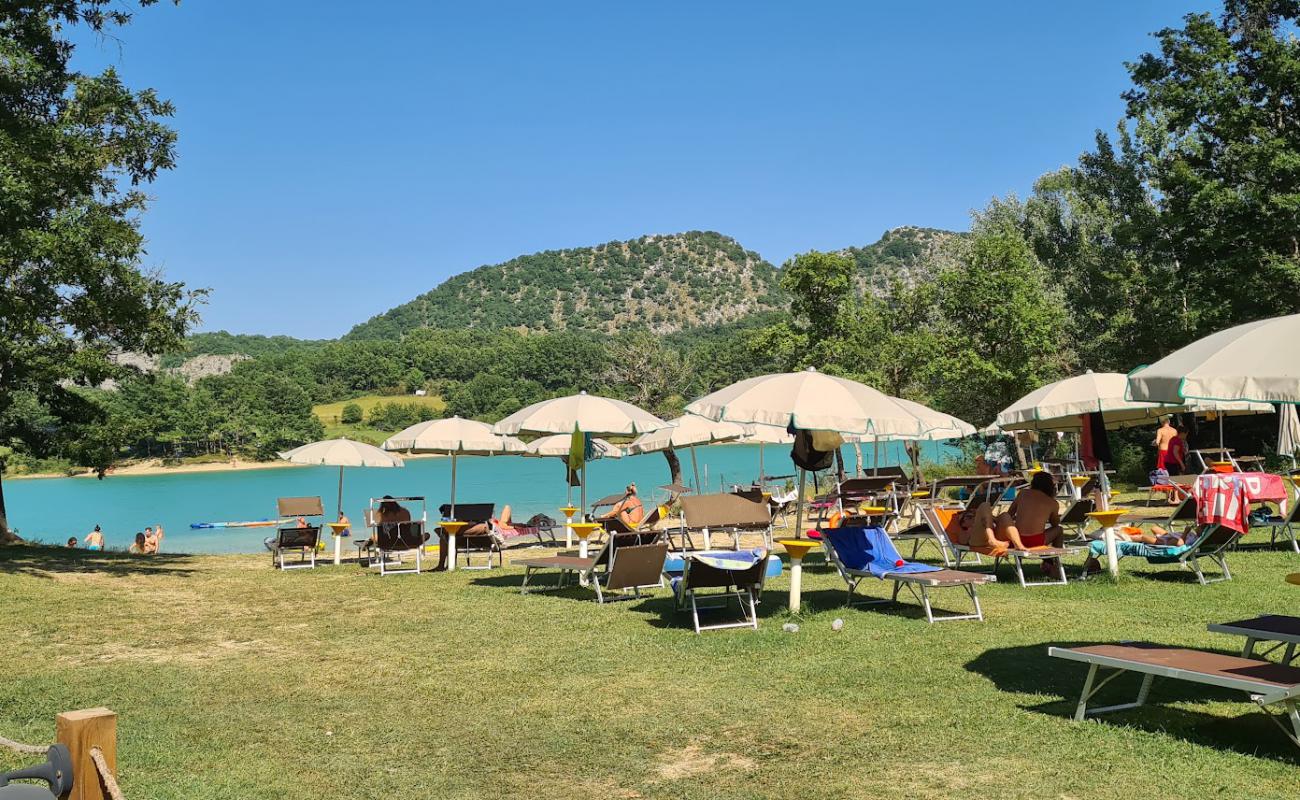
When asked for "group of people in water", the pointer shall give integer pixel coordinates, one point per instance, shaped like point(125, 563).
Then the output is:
point(146, 542)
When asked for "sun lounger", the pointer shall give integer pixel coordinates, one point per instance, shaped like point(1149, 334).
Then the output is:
point(1267, 683)
point(304, 540)
point(1279, 630)
point(632, 561)
point(1076, 518)
point(859, 553)
point(1209, 542)
point(739, 574)
point(395, 541)
point(1283, 526)
point(487, 541)
point(723, 513)
point(938, 520)
point(1178, 486)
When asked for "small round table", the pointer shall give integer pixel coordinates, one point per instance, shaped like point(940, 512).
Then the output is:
point(336, 529)
point(1078, 482)
point(583, 530)
point(452, 527)
point(568, 512)
point(797, 548)
point(1107, 520)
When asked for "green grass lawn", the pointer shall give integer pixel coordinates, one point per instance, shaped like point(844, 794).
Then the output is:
point(330, 415)
point(233, 680)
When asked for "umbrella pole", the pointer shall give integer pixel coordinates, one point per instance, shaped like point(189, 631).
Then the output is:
point(762, 476)
point(875, 456)
point(798, 506)
point(453, 486)
point(340, 490)
point(1108, 534)
point(338, 540)
point(1222, 455)
point(695, 467)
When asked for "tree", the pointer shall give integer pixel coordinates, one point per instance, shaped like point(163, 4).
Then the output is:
point(1214, 121)
point(351, 414)
point(819, 285)
point(74, 149)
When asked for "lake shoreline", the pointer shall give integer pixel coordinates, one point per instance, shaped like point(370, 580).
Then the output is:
point(155, 466)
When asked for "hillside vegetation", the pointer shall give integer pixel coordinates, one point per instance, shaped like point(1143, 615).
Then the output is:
point(908, 254)
point(662, 284)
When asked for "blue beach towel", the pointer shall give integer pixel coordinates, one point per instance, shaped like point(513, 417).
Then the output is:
point(676, 563)
point(871, 550)
point(1153, 553)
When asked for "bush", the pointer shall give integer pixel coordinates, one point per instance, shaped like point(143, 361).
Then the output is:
point(352, 414)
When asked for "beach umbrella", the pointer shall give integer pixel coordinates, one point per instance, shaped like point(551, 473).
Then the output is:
point(581, 413)
point(558, 445)
point(936, 427)
point(454, 437)
point(341, 453)
point(1246, 362)
point(810, 400)
point(764, 435)
point(687, 431)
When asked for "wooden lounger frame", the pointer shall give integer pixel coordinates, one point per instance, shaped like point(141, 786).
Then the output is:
point(1232, 673)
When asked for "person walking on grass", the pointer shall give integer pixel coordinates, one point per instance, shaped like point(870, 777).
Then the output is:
point(1165, 434)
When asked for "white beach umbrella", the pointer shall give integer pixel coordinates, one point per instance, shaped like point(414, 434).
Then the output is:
point(1059, 406)
point(585, 413)
point(809, 400)
point(688, 431)
point(454, 437)
point(763, 435)
point(557, 446)
point(1256, 361)
point(341, 453)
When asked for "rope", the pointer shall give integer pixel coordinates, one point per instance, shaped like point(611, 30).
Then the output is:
point(105, 774)
point(19, 747)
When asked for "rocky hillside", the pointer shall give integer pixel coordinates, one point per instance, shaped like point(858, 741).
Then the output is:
point(908, 254)
point(665, 283)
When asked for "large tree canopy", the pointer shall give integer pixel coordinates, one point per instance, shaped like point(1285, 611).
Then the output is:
point(74, 150)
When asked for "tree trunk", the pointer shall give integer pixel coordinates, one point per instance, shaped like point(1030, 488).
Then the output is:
point(839, 464)
point(674, 466)
point(857, 453)
point(6, 536)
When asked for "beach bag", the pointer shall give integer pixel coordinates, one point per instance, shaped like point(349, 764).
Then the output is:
point(805, 454)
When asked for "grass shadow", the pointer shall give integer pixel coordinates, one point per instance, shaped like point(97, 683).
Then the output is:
point(1029, 670)
point(43, 561)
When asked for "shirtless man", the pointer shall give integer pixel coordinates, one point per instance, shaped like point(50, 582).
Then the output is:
point(153, 539)
point(95, 539)
point(1034, 519)
point(1164, 435)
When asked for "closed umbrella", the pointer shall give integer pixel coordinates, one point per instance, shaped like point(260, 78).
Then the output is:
point(584, 413)
point(687, 431)
point(1288, 433)
point(1254, 361)
point(454, 437)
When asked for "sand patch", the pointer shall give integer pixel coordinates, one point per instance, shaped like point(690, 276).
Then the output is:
point(692, 760)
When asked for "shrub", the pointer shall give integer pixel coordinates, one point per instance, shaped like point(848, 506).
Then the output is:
point(352, 414)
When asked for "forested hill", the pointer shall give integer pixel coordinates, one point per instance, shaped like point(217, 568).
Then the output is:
point(908, 254)
point(663, 283)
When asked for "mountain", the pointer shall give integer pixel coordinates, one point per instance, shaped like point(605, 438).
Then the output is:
point(908, 254)
point(664, 283)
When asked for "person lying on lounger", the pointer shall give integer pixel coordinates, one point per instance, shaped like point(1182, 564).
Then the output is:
point(628, 511)
point(477, 529)
point(1157, 536)
point(974, 527)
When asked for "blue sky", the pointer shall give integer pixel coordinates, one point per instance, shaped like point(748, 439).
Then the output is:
point(338, 158)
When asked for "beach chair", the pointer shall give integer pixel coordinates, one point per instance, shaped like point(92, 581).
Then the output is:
point(728, 514)
point(394, 541)
point(648, 522)
point(1076, 519)
point(305, 541)
point(627, 561)
point(1210, 542)
point(860, 553)
point(939, 519)
point(486, 542)
point(737, 574)
point(1283, 526)
point(1268, 684)
point(1281, 631)
point(1179, 486)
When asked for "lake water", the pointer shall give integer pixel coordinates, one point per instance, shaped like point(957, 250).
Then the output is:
point(51, 510)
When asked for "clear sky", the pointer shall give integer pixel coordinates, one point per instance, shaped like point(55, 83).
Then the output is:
point(338, 158)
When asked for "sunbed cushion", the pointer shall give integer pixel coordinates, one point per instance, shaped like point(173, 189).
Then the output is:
point(870, 550)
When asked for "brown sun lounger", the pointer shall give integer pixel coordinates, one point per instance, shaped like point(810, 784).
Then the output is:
point(1278, 629)
point(723, 513)
point(305, 541)
point(1267, 683)
point(632, 561)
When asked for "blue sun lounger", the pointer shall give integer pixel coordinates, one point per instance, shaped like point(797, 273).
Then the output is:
point(859, 553)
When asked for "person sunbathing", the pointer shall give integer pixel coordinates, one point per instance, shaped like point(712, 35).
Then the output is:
point(1034, 518)
point(477, 529)
point(628, 511)
point(1158, 536)
point(975, 527)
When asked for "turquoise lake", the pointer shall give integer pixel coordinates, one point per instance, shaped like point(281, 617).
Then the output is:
point(51, 510)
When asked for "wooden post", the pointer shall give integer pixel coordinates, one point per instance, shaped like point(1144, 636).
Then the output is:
point(80, 731)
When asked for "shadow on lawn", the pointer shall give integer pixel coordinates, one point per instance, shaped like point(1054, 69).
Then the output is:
point(1030, 670)
point(42, 561)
